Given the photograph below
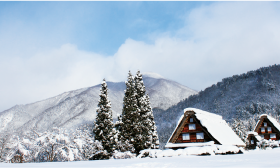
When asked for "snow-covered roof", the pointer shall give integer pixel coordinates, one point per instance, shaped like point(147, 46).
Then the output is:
point(259, 138)
point(252, 132)
point(272, 120)
point(215, 125)
point(176, 128)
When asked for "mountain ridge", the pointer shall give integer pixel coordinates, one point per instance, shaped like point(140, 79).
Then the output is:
point(241, 96)
point(76, 107)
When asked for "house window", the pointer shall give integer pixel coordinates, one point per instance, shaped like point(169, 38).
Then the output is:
point(252, 141)
point(186, 136)
point(192, 127)
point(262, 136)
point(200, 135)
point(269, 129)
point(272, 136)
point(191, 119)
point(262, 129)
point(265, 124)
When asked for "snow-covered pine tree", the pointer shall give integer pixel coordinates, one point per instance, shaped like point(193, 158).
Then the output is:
point(129, 124)
point(152, 140)
point(123, 145)
point(147, 128)
point(136, 124)
point(140, 88)
point(142, 137)
point(104, 127)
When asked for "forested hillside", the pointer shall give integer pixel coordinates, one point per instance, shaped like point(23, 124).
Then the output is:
point(242, 96)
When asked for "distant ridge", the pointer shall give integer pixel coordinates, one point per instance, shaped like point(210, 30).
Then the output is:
point(73, 108)
point(240, 96)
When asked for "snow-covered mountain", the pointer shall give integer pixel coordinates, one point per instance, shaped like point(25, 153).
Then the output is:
point(245, 96)
point(73, 108)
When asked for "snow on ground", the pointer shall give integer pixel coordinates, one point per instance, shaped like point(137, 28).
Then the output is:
point(260, 158)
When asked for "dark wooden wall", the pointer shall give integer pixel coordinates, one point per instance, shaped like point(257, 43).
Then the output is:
point(193, 132)
point(267, 133)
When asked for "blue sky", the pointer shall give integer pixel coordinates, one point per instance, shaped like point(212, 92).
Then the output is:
point(47, 48)
point(100, 27)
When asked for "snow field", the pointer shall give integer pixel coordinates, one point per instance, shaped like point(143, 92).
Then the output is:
point(255, 158)
point(204, 150)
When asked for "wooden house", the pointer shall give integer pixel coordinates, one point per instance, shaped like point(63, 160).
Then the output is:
point(253, 139)
point(201, 128)
point(268, 128)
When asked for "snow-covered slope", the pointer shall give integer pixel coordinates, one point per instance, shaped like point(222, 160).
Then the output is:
point(241, 96)
point(165, 93)
point(73, 108)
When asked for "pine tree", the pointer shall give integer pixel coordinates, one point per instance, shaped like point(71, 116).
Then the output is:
point(129, 124)
point(152, 138)
point(104, 127)
point(140, 88)
point(142, 134)
point(147, 128)
point(136, 124)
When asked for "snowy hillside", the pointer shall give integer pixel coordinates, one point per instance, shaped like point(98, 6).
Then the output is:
point(242, 96)
point(73, 108)
point(261, 158)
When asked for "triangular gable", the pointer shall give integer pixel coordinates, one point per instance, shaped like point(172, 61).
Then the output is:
point(183, 128)
point(266, 126)
point(253, 138)
point(211, 124)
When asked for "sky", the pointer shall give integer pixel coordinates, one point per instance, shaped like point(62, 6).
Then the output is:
point(47, 48)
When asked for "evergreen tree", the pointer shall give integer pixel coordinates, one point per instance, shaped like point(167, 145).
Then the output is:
point(136, 124)
point(146, 123)
point(152, 138)
point(122, 144)
point(104, 127)
point(142, 134)
point(140, 88)
point(129, 124)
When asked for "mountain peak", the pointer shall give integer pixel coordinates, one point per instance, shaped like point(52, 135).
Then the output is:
point(74, 108)
point(152, 75)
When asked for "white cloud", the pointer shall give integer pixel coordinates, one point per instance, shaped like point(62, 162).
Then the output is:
point(217, 41)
